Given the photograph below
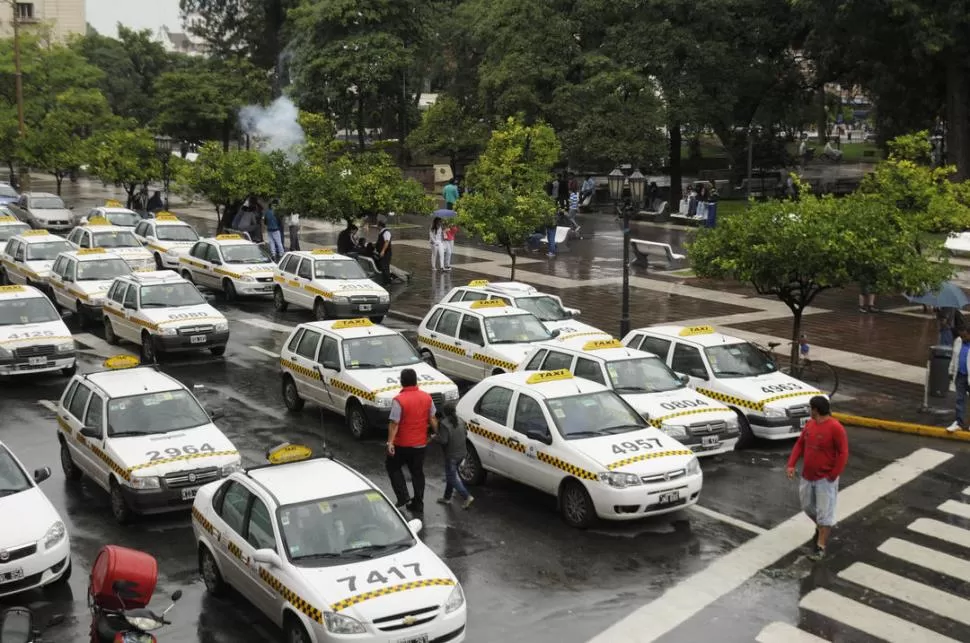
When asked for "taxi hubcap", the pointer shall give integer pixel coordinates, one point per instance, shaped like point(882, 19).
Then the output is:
point(209, 574)
point(290, 393)
point(357, 422)
point(574, 505)
point(468, 468)
point(117, 503)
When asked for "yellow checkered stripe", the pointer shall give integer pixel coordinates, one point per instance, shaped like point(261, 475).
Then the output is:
point(393, 589)
point(318, 291)
point(572, 469)
point(104, 457)
point(194, 264)
point(732, 399)
point(491, 361)
point(451, 348)
point(657, 421)
point(378, 391)
point(190, 320)
point(20, 269)
point(67, 291)
point(236, 551)
point(203, 521)
point(353, 390)
point(582, 334)
point(67, 429)
point(786, 396)
point(144, 323)
point(302, 371)
point(187, 456)
point(112, 311)
point(34, 340)
point(495, 437)
point(290, 596)
point(154, 247)
point(227, 273)
point(648, 456)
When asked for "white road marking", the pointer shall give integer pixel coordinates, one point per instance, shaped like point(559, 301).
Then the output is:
point(966, 491)
point(928, 558)
point(876, 623)
point(727, 573)
point(266, 324)
point(50, 405)
point(923, 596)
point(263, 351)
point(784, 633)
point(956, 508)
point(941, 530)
point(717, 515)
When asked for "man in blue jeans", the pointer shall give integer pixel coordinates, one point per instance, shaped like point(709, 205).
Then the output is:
point(451, 436)
point(958, 373)
point(275, 232)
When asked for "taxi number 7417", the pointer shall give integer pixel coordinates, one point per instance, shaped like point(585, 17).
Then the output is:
point(375, 576)
point(632, 446)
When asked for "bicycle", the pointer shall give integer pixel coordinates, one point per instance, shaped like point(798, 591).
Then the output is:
point(819, 374)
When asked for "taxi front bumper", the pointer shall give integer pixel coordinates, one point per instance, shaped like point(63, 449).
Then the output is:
point(22, 365)
point(38, 569)
point(355, 309)
point(152, 501)
point(253, 288)
point(643, 500)
point(182, 343)
point(781, 428)
point(444, 628)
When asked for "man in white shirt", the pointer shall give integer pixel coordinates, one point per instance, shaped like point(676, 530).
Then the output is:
point(958, 373)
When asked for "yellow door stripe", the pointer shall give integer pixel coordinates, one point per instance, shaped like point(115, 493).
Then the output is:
point(657, 421)
point(451, 348)
point(543, 457)
point(648, 456)
point(302, 371)
point(290, 596)
point(393, 589)
point(491, 361)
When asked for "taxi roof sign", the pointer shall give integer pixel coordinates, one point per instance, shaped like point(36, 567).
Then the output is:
point(478, 283)
point(696, 330)
point(489, 303)
point(8, 219)
point(226, 237)
point(287, 452)
point(113, 203)
point(91, 251)
point(599, 344)
point(322, 251)
point(98, 221)
point(352, 323)
point(119, 362)
point(166, 216)
point(12, 288)
point(549, 376)
point(34, 233)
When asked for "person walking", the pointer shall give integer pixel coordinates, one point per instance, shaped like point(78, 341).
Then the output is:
point(824, 449)
point(155, 204)
point(450, 194)
point(347, 240)
point(958, 375)
point(451, 435)
point(436, 235)
point(274, 231)
point(383, 249)
point(451, 232)
point(293, 223)
point(412, 412)
point(573, 211)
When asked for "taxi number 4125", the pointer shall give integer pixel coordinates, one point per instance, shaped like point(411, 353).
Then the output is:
point(632, 446)
point(174, 452)
point(375, 577)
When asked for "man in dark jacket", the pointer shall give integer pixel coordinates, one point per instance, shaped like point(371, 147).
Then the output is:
point(451, 436)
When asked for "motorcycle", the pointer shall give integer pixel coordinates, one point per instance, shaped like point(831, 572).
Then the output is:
point(120, 625)
point(17, 626)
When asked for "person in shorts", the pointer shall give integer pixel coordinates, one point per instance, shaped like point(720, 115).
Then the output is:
point(824, 450)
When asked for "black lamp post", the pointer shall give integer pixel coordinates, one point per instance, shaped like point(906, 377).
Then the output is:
point(163, 148)
point(617, 180)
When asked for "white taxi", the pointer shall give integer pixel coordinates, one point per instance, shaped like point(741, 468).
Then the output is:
point(704, 425)
point(34, 542)
point(318, 549)
point(167, 237)
point(10, 226)
point(80, 280)
point(769, 403)
point(472, 340)
point(28, 257)
point(33, 338)
point(229, 263)
point(329, 284)
point(99, 233)
point(142, 436)
point(115, 214)
point(353, 367)
point(579, 441)
point(162, 313)
point(547, 308)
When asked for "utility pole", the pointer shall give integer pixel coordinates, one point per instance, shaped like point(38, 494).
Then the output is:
point(24, 179)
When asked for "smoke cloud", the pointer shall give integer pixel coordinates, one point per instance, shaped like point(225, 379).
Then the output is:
point(275, 127)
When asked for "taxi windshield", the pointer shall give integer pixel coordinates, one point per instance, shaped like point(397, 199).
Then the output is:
point(116, 239)
point(738, 360)
point(175, 233)
point(378, 352)
point(127, 219)
point(339, 269)
point(343, 529)
point(7, 190)
point(642, 375)
point(46, 251)
point(245, 253)
point(35, 310)
point(46, 203)
point(12, 477)
point(101, 270)
point(152, 413)
point(170, 295)
point(515, 329)
point(12, 229)
point(544, 307)
point(591, 415)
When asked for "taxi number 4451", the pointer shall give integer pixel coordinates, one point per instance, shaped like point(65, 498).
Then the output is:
point(375, 577)
point(632, 446)
point(174, 452)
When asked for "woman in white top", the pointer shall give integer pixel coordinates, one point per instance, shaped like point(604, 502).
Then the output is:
point(437, 239)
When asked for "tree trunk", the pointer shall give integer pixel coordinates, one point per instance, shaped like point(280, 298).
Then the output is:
point(226, 131)
point(958, 117)
point(509, 249)
point(360, 119)
point(796, 333)
point(676, 175)
point(131, 195)
point(822, 123)
point(60, 179)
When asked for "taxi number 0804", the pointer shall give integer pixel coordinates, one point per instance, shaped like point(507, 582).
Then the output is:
point(780, 388)
point(174, 452)
point(375, 576)
point(396, 380)
point(632, 446)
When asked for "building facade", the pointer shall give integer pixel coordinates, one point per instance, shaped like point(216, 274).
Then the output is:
point(63, 17)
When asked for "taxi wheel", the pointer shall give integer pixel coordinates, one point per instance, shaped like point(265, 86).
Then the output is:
point(80, 317)
point(575, 505)
point(148, 350)
point(71, 471)
point(357, 420)
point(218, 351)
point(295, 632)
point(278, 301)
point(186, 275)
point(209, 571)
point(3, 278)
point(291, 396)
point(229, 289)
point(119, 506)
point(109, 333)
point(470, 469)
point(746, 439)
point(428, 359)
point(158, 262)
point(319, 310)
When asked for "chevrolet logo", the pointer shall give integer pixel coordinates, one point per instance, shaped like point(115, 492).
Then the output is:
point(667, 476)
point(409, 620)
point(5, 556)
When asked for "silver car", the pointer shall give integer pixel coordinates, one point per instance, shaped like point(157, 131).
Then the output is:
point(44, 211)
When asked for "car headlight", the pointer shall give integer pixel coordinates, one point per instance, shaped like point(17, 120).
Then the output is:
point(66, 347)
point(222, 326)
point(144, 623)
point(54, 535)
point(5, 352)
point(775, 413)
point(451, 395)
point(172, 252)
point(732, 424)
point(168, 330)
point(384, 298)
point(228, 469)
point(340, 624)
point(693, 467)
point(144, 482)
point(383, 402)
point(95, 301)
point(456, 600)
point(247, 279)
point(676, 431)
point(337, 299)
point(619, 480)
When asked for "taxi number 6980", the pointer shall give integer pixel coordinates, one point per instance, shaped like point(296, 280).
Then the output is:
point(375, 577)
point(632, 446)
point(174, 452)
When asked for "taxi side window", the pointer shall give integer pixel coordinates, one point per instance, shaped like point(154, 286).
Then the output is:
point(657, 346)
point(471, 295)
point(79, 401)
point(494, 405)
point(458, 295)
point(529, 417)
point(131, 298)
point(117, 292)
point(555, 361)
point(75, 236)
point(68, 394)
point(142, 229)
point(259, 531)
point(435, 316)
point(448, 323)
point(95, 416)
point(471, 330)
point(308, 345)
point(589, 370)
point(305, 270)
point(18, 252)
point(289, 264)
point(536, 361)
point(330, 354)
point(295, 341)
point(212, 255)
point(8, 249)
point(70, 271)
point(59, 266)
point(687, 359)
point(233, 507)
point(198, 250)
point(85, 239)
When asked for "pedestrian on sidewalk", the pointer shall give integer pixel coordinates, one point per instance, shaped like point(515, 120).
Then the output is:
point(451, 232)
point(451, 436)
point(573, 211)
point(383, 249)
point(274, 231)
point(824, 449)
point(293, 223)
point(958, 374)
point(412, 412)
point(867, 298)
point(945, 322)
point(551, 237)
point(436, 237)
point(450, 194)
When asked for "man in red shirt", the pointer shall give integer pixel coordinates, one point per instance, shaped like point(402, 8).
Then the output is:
point(825, 449)
point(412, 411)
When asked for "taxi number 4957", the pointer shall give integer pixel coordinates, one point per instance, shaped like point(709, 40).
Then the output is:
point(375, 577)
point(780, 388)
point(174, 452)
point(631, 446)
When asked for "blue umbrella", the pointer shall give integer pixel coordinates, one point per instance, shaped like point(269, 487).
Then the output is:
point(445, 213)
point(949, 295)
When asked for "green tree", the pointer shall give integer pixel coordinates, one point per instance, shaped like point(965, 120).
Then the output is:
point(124, 157)
point(795, 250)
point(508, 201)
point(225, 179)
point(447, 130)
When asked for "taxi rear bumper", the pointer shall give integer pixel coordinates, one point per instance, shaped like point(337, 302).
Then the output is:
point(183, 343)
point(250, 288)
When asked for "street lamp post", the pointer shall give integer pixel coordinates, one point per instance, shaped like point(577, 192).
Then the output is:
point(616, 181)
point(163, 147)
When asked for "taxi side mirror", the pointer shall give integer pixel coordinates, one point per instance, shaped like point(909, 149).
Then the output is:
point(556, 333)
point(684, 379)
point(573, 312)
point(42, 474)
point(539, 436)
point(91, 432)
point(333, 366)
point(699, 373)
point(267, 557)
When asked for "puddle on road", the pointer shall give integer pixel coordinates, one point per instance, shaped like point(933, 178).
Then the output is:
point(453, 542)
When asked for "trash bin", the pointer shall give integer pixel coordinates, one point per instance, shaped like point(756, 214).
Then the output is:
point(939, 375)
point(711, 220)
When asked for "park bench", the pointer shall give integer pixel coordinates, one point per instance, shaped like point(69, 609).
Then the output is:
point(645, 250)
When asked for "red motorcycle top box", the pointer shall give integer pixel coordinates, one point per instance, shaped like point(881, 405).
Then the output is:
point(136, 569)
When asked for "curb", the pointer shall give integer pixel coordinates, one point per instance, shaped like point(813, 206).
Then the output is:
point(414, 319)
point(902, 427)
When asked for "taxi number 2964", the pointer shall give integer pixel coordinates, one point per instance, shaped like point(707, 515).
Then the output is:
point(632, 446)
point(174, 452)
point(376, 577)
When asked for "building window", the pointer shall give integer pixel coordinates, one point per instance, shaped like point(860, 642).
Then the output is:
point(25, 10)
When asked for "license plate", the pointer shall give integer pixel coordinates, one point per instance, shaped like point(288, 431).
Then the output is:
point(12, 575)
point(364, 308)
point(670, 496)
point(710, 441)
point(189, 494)
point(197, 339)
point(420, 638)
point(37, 361)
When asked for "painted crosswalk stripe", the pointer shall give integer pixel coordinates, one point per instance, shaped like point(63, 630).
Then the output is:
point(928, 558)
point(923, 596)
point(731, 520)
point(266, 324)
point(966, 491)
point(784, 633)
point(941, 530)
point(956, 508)
point(263, 351)
point(869, 620)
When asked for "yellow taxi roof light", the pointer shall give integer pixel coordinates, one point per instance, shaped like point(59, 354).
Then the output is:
point(227, 237)
point(13, 288)
point(352, 323)
point(599, 344)
point(113, 203)
point(489, 303)
point(549, 376)
point(167, 216)
point(35, 233)
point(696, 330)
point(323, 251)
point(7, 219)
point(91, 251)
point(98, 221)
point(478, 283)
point(287, 452)
point(119, 362)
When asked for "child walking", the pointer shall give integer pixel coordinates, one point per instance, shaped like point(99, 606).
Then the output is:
point(451, 436)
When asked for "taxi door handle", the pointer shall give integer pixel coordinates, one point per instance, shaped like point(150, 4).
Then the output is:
point(513, 441)
point(457, 343)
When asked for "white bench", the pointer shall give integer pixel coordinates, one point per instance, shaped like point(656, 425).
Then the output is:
point(644, 250)
point(562, 236)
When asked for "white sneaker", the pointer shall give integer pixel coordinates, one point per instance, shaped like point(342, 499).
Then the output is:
point(953, 428)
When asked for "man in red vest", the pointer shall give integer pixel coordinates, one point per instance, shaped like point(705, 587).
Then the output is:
point(412, 412)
